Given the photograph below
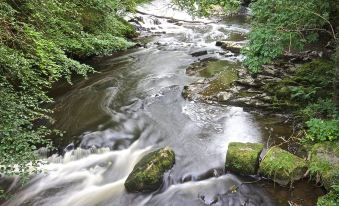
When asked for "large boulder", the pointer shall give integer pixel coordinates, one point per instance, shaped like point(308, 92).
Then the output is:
point(243, 158)
point(147, 174)
point(324, 163)
point(282, 167)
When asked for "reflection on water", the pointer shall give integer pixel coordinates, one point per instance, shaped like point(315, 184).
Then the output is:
point(134, 105)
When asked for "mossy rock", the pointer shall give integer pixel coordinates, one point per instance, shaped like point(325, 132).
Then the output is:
point(330, 199)
point(282, 167)
point(147, 174)
point(324, 161)
point(243, 158)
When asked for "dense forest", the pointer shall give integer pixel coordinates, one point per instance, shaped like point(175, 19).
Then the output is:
point(44, 41)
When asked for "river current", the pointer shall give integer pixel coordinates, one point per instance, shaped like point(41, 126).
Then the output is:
point(133, 105)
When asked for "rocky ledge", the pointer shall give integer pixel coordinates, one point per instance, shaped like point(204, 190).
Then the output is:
point(236, 86)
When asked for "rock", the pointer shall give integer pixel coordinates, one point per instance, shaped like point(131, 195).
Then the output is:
point(232, 46)
point(156, 21)
point(324, 162)
point(199, 53)
point(147, 174)
point(282, 167)
point(224, 96)
point(243, 158)
point(248, 81)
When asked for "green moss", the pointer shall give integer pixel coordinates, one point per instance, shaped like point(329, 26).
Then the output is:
point(221, 83)
point(325, 163)
point(318, 71)
point(243, 158)
point(148, 173)
point(307, 84)
point(214, 67)
point(282, 166)
point(234, 36)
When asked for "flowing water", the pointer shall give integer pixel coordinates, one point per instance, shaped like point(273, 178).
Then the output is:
point(133, 105)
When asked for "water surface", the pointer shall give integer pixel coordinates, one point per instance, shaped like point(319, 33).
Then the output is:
point(133, 105)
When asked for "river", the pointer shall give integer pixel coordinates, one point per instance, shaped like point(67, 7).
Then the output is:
point(134, 105)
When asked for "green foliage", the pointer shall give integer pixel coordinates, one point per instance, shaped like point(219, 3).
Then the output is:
point(323, 109)
point(302, 94)
point(37, 40)
point(322, 130)
point(331, 198)
point(205, 7)
point(284, 25)
point(278, 26)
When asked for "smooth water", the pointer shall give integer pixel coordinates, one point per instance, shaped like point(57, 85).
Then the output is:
point(132, 106)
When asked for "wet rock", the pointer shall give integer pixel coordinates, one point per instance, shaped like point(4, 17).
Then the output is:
point(199, 53)
point(250, 102)
point(224, 96)
point(172, 21)
point(156, 21)
point(147, 174)
point(282, 167)
point(324, 163)
point(232, 46)
point(243, 158)
point(248, 81)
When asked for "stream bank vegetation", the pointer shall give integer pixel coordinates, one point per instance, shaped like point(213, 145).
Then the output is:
point(289, 30)
point(40, 41)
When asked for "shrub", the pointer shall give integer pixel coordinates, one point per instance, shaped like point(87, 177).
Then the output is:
point(323, 109)
point(322, 130)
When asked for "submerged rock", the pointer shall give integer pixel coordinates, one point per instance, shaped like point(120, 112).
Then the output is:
point(324, 163)
point(147, 174)
point(282, 167)
point(243, 158)
point(199, 53)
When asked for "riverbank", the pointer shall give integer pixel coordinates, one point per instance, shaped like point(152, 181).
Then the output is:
point(297, 86)
point(134, 106)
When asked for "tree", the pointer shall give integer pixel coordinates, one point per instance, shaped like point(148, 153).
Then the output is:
point(278, 26)
point(37, 40)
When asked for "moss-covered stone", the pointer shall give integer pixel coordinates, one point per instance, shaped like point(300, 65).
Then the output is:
point(282, 167)
point(324, 162)
point(243, 158)
point(147, 174)
point(221, 83)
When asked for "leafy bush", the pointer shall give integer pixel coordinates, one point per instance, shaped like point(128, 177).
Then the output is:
point(322, 130)
point(277, 26)
point(330, 199)
point(323, 109)
point(37, 39)
point(280, 26)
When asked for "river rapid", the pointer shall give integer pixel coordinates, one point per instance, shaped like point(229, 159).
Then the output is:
point(134, 105)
